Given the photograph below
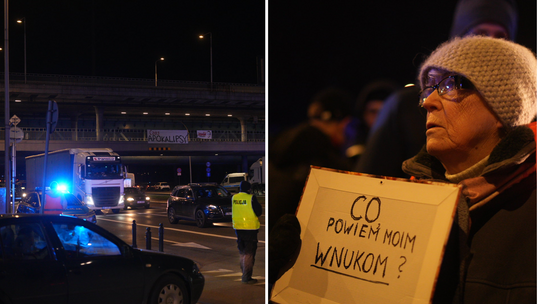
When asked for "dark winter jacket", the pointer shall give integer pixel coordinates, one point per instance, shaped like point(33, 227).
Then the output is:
point(398, 134)
point(491, 254)
point(291, 155)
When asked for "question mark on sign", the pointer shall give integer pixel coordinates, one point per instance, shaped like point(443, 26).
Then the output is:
point(399, 268)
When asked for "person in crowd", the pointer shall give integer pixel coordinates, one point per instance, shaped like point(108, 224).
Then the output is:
point(398, 133)
point(367, 107)
point(245, 218)
point(480, 97)
point(479, 94)
point(318, 142)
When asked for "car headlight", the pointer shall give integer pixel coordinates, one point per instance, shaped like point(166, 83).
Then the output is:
point(147, 198)
point(130, 199)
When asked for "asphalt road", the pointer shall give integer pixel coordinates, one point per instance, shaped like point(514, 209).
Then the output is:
point(214, 248)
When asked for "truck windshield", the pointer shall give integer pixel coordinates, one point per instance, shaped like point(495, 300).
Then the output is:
point(103, 171)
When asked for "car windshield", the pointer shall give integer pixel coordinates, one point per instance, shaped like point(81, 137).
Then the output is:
point(132, 190)
point(210, 191)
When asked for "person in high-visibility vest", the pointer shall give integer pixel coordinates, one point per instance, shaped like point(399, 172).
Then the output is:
point(245, 217)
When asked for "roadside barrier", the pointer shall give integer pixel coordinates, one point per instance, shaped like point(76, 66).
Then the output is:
point(148, 236)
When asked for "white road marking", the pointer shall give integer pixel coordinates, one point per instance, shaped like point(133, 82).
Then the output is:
point(217, 271)
point(190, 244)
point(175, 229)
point(260, 279)
point(230, 275)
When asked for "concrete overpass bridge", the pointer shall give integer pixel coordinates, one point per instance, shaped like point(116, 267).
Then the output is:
point(118, 112)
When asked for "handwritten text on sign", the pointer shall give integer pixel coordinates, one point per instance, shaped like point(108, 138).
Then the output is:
point(363, 224)
point(368, 240)
point(167, 136)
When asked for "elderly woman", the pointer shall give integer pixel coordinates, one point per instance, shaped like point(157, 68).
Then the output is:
point(480, 97)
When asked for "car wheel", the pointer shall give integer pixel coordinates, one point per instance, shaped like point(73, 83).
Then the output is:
point(201, 219)
point(172, 218)
point(169, 289)
point(125, 207)
point(147, 206)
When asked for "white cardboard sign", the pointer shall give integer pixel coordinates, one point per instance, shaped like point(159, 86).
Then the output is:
point(368, 239)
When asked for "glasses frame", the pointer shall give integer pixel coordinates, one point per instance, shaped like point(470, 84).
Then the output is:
point(460, 83)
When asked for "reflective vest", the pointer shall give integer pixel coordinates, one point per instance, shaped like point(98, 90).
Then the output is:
point(53, 205)
point(243, 216)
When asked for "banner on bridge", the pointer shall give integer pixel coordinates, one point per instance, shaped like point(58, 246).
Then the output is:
point(205, 134)
point(168, 136)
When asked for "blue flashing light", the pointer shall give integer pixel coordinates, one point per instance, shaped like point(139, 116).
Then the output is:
point(59, 187)
point(62, 188)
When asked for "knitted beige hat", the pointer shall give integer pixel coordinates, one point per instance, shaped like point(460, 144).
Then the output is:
point(503, 72)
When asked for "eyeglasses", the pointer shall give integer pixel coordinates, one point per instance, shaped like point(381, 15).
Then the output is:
point(447, 85)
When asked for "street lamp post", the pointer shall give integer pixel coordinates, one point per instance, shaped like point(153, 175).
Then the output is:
point(155, 68)
point(23, 21)
point(211, 70)
point(6, 108)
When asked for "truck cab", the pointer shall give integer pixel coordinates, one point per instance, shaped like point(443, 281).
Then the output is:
point(99, 180)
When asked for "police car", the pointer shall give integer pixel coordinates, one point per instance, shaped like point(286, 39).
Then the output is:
point(57, 201)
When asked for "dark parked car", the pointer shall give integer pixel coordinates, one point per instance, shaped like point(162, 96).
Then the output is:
point(61, 259)
point(135, 197)
point(31, 203)
point(205, 203)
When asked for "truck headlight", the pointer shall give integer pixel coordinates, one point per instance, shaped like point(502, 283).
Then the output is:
point(89, 201)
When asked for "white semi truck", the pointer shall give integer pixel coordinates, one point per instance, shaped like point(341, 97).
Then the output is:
point(95, 176)
point(257, 177)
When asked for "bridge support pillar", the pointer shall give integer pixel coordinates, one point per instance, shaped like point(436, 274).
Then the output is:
point(243, 129)
point(75, 126)
point(99, 123)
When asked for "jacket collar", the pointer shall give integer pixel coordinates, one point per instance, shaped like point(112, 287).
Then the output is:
point(513, 159)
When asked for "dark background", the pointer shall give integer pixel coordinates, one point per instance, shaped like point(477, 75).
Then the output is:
point(315, 44)
point(122, 38)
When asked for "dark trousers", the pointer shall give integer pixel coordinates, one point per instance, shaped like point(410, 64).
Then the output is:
point(247, 246)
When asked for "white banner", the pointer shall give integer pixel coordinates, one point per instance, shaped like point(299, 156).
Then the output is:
point(368, 239)
point(206, 134)
point(167, 136)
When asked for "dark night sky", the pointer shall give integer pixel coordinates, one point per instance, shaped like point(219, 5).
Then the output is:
point(314, 44)
point(123, 38)
point(311, 44)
